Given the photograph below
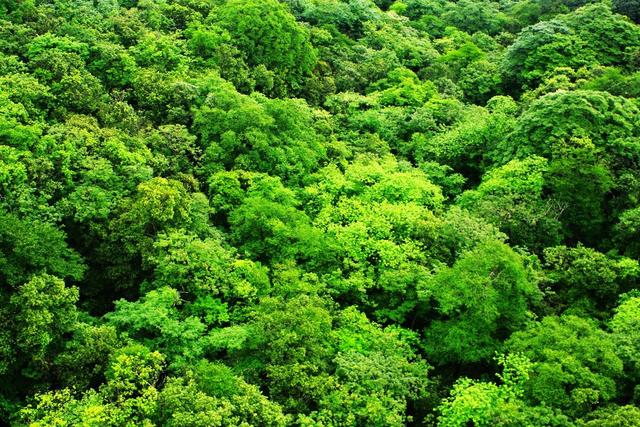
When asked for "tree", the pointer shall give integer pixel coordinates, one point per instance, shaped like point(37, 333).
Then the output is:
point(159, 204)
point(190, 400)
point(614, 81)
point(541, 48)
point(575, 363)
point(268, 35)
point(159, 50)
point(37, 316)
point(476, 304)
point(155, 321)
point(380, 376)
point(480, 81)
point(629, 8)
point(592, 35)
point(402, 87)
point(511, 198)
point(612, 416)
point(607, 34)
point(580, 113)
point(410, 46)
point(587, 281)
point(624, 327)
point(349, 17)
point(472, 17)
point(469, 144)
point(267, 225)
point(579, 180)
point(627, 230)
point(488, 404)
point(201, 268)
point(529, 12)
point(129, 397)
point(378, 220)
point(258, 134)
point(83, 360)
point(174, 148)
point(112, 64)
point(289, 344)
point(32, 246)
point(588, 151)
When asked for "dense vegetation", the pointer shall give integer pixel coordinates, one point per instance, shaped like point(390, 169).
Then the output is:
point(320, 213)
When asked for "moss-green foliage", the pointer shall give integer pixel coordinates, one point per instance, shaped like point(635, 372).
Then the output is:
point(319, 213)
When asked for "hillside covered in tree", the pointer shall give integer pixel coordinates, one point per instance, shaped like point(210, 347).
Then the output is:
point(320, 213)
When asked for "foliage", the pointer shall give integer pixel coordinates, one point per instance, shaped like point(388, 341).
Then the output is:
point(627, 7)
point(482, 298)
point(591, 35)
point(575, 363)
point(624, 327)
point(486, 403)
point(319, 212)
point(268, 35)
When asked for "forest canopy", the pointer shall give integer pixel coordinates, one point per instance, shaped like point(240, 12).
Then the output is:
point(320, 213)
